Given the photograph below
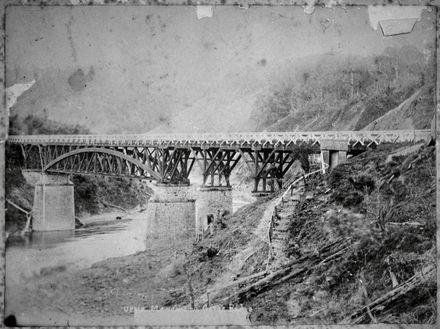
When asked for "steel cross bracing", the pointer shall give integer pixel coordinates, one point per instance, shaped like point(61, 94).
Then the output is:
point(170, 158)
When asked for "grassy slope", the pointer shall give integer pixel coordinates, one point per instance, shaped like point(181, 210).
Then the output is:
point(382, 245)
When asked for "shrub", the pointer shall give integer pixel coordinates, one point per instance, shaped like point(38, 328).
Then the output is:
point(353, 199)
point(364, 183)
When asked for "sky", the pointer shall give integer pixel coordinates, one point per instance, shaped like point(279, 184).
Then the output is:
point(91, 63)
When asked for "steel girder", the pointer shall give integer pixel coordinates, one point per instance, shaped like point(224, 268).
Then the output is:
point(168, 165)
point(216, 162)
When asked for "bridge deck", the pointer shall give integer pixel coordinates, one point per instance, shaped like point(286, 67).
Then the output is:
point(269, 139)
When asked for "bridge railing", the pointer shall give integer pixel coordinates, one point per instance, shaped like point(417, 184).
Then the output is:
point(249, 137)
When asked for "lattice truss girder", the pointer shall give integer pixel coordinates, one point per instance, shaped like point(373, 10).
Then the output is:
point(166, 165)
point(268, 167)
point(216, 164)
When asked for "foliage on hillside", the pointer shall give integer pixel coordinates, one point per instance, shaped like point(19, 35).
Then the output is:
point(89, 190)
point(348, 92)
point(385, 211)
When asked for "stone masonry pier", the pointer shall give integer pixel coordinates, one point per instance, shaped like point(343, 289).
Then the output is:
point(54, 206)
point(171, 213)
point(211, 203)
point(333, 152)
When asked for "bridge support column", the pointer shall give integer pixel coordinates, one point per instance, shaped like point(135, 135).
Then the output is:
point(171, 214)
point(212, 203)
point(268, 166)
point(334, 152)
point(54, 205)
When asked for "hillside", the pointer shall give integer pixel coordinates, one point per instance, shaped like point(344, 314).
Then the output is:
point(351, 93)
point(376, 216)
point(362, 232)
point(414, 113)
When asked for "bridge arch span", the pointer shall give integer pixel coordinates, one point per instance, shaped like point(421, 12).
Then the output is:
point(98, 150)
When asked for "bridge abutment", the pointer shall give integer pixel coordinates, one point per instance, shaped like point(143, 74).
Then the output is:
point(212, 203)
point(171, 213)
point(54, 204)
point(334, 152)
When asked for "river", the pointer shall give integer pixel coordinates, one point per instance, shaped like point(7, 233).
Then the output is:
point(41, 256)
point(44, 254)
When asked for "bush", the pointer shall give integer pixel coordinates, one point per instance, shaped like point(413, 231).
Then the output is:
point(353, 199)
point(364, 183)
point(348, 190)
point(338, 176)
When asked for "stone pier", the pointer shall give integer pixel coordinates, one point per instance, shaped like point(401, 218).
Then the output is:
point(171, 213)
point(334, 152)
point(212, 202)
point(54, 205)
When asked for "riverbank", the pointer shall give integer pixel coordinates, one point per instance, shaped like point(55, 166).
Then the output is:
point(156, 277)
point(55, 258)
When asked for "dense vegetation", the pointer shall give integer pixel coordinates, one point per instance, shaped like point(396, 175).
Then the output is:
point(92, 193)
point(384, 206)
point(347, 92)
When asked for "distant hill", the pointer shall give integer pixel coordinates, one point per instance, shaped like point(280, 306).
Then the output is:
point(353, 93)
point(214, 114)
point(323, 92)
point(106, 99)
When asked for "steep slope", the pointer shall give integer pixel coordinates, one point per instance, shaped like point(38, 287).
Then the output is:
point(416, 112)
point(219, 112)
point(369, 113)
point(349, 93)
point(363, 236)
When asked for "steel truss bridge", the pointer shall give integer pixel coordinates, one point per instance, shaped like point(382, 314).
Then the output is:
point(169, 158)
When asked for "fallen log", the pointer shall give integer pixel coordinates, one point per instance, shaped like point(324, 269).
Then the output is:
point(78, 222)
point(28, 214)
point(380, 303)
point(242, 280)
point(303, 266)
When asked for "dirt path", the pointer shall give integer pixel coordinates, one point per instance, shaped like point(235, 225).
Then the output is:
point(263, 226)
point(239, 260)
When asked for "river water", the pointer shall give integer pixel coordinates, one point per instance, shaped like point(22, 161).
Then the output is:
point(45, 254)
point(42, 254)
